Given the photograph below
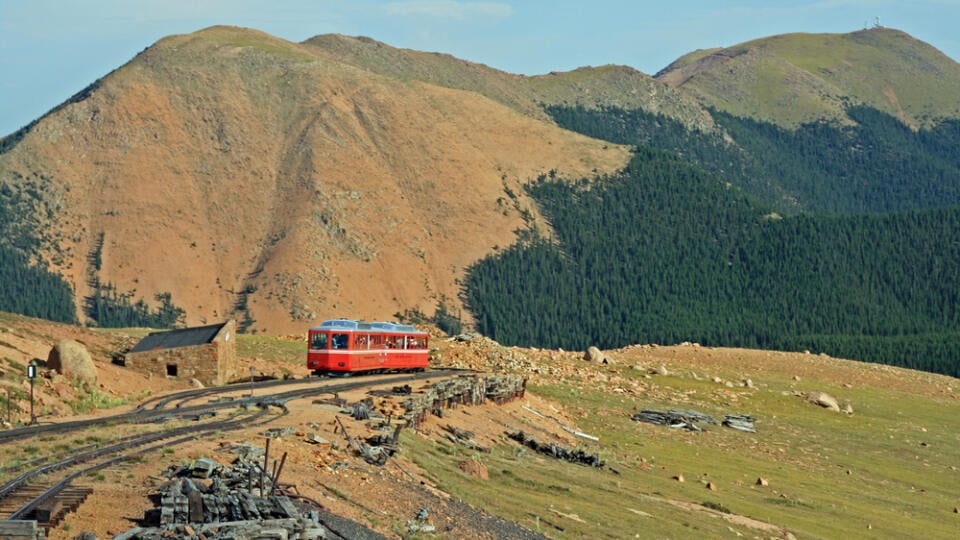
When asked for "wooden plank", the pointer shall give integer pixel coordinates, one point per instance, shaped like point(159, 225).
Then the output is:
point(17, 529)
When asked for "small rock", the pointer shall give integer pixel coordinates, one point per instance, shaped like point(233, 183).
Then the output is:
point(762, 482)
point(711, 486)
point(678, 477)
point(475, 468)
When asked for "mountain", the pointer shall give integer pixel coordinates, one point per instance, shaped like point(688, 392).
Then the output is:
point(230, 173)
point(231, 169)
point(796, 78)
point(591, 87)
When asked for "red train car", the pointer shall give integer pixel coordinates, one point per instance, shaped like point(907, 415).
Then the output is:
point(345, 346)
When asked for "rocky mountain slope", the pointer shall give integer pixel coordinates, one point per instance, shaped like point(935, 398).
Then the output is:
point(229, 161)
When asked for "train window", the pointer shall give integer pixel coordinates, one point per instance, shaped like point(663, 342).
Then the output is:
point(340, 341)
point(360, 341)
point(318, 341)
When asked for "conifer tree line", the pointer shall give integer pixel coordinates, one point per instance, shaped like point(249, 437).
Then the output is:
point(32, 290)
point(108, 308)
point(667, 252)
point(876, 165)
point(27, 286)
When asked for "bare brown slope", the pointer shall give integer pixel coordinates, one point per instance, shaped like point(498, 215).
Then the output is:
point(230, 160)
point(609, 85)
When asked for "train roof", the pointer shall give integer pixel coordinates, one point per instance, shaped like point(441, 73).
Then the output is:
point(379, 326)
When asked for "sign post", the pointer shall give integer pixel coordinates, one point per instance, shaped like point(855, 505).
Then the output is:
point(251, 380)
point(32, 374)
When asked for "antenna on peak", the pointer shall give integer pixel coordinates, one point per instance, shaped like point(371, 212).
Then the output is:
point(876, 22)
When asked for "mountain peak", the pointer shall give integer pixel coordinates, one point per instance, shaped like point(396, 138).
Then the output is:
point(794, 78)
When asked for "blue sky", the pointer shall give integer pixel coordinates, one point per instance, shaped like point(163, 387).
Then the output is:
point(50, 49)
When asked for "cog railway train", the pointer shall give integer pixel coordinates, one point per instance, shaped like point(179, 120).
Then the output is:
point(343, 346)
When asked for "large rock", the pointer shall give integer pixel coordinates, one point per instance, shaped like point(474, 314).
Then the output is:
point(824, 400)
point(72, 360)
point(593, 354)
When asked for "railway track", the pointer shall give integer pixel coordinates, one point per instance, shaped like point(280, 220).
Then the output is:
point(44, 491)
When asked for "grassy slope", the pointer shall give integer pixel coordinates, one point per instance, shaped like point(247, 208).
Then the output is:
point(801, 77)
point(889, 468)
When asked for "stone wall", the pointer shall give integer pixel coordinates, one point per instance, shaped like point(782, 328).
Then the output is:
point(213, 364)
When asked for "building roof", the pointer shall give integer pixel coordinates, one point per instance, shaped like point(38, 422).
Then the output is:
point(184, 337)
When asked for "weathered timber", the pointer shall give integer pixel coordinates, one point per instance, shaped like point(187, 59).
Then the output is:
point(465, 390)
point(740, 423)
point(675, 418)
point(557, 451)
point(689, 420)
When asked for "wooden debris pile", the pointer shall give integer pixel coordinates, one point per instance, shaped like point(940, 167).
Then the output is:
point(466, 390)
point(557, 451)
point(463, 438)
point(243, 501)
point(238, 502)
point(689, 420)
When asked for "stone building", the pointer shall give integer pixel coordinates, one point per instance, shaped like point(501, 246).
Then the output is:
point(206, 353)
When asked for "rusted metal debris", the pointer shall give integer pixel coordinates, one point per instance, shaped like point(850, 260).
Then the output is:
point(690, 420)
point(557, 451)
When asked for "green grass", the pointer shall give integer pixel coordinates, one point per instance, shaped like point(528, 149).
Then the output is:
point(91, 400)
point(891, 466)
point(789, 78)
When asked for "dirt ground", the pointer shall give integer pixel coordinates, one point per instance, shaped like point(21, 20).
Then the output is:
point(330, 473)
point(382, 497)
point(385, 498)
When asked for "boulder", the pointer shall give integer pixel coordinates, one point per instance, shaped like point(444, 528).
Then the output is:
point(594, 354)
point(662, 370)
point(824, 400)
point(73, 361)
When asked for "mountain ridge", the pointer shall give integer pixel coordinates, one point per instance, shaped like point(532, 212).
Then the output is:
point(289, 182)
